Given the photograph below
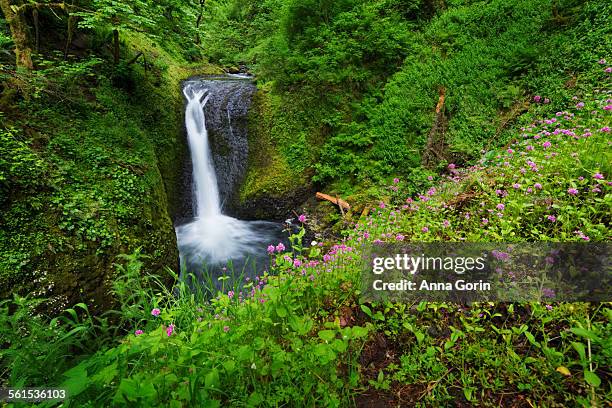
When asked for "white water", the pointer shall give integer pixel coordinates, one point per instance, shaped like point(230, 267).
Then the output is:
point(206, 192)
point(213, 238)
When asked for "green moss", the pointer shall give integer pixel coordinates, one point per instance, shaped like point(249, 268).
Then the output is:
point(108, 169)
point(269, 172)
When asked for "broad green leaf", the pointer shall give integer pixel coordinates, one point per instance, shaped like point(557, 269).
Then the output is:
point(579, 331)
point(327, 335)
point(212, 379)
point(592, 378)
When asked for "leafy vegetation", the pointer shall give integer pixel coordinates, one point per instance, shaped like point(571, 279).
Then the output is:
point(88, 159)
point(300, 334)
point(369, 73)
point(440, 121)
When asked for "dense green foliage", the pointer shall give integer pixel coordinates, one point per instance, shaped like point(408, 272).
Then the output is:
point(369, 73)
point(91, 151)
point(88, 154)
point(300, 335)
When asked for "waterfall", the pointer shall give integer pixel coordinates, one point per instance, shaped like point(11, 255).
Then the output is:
point(205, 190)
point(212, 238)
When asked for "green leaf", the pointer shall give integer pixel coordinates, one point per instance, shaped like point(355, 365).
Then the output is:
point(366, 310)
point(77, 380)
point(532, 339)
point(592, 378)
point(468, 392)
point(379, 316)
point(281, 311)
point(581, 352)
point(107, 374)
point(229, 366)
point(128, 389)
point(255, 399)
point(339, 345)
point(327, 335)
point(579, 331)
point(147, 390)
point(212, 379)
point(359, 332)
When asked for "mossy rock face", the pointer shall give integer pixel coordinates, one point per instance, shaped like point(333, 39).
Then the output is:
point(108, 183)
point(272, 187)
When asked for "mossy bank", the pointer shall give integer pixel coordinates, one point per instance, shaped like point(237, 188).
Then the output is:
point(90, 164)
point(282, 141)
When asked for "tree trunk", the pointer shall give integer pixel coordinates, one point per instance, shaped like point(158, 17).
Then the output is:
point(116, 46)
point(69, 34)
point(19, 31)
point(199, 20)
point(435, 141)
point(555, 9)
point(36, 30)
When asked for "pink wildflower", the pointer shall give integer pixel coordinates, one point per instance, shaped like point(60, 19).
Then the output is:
point(138, 332)
point(155, 312)
point(572, 191)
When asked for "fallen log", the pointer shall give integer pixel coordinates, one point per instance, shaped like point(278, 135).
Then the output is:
point(334, 200)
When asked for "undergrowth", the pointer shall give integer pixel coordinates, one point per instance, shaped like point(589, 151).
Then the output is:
point(300, 335)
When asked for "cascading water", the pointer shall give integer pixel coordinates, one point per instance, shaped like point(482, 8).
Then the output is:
point(212, 239)
point(206, 192)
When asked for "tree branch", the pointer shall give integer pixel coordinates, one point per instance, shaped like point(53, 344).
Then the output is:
point(28, 6)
